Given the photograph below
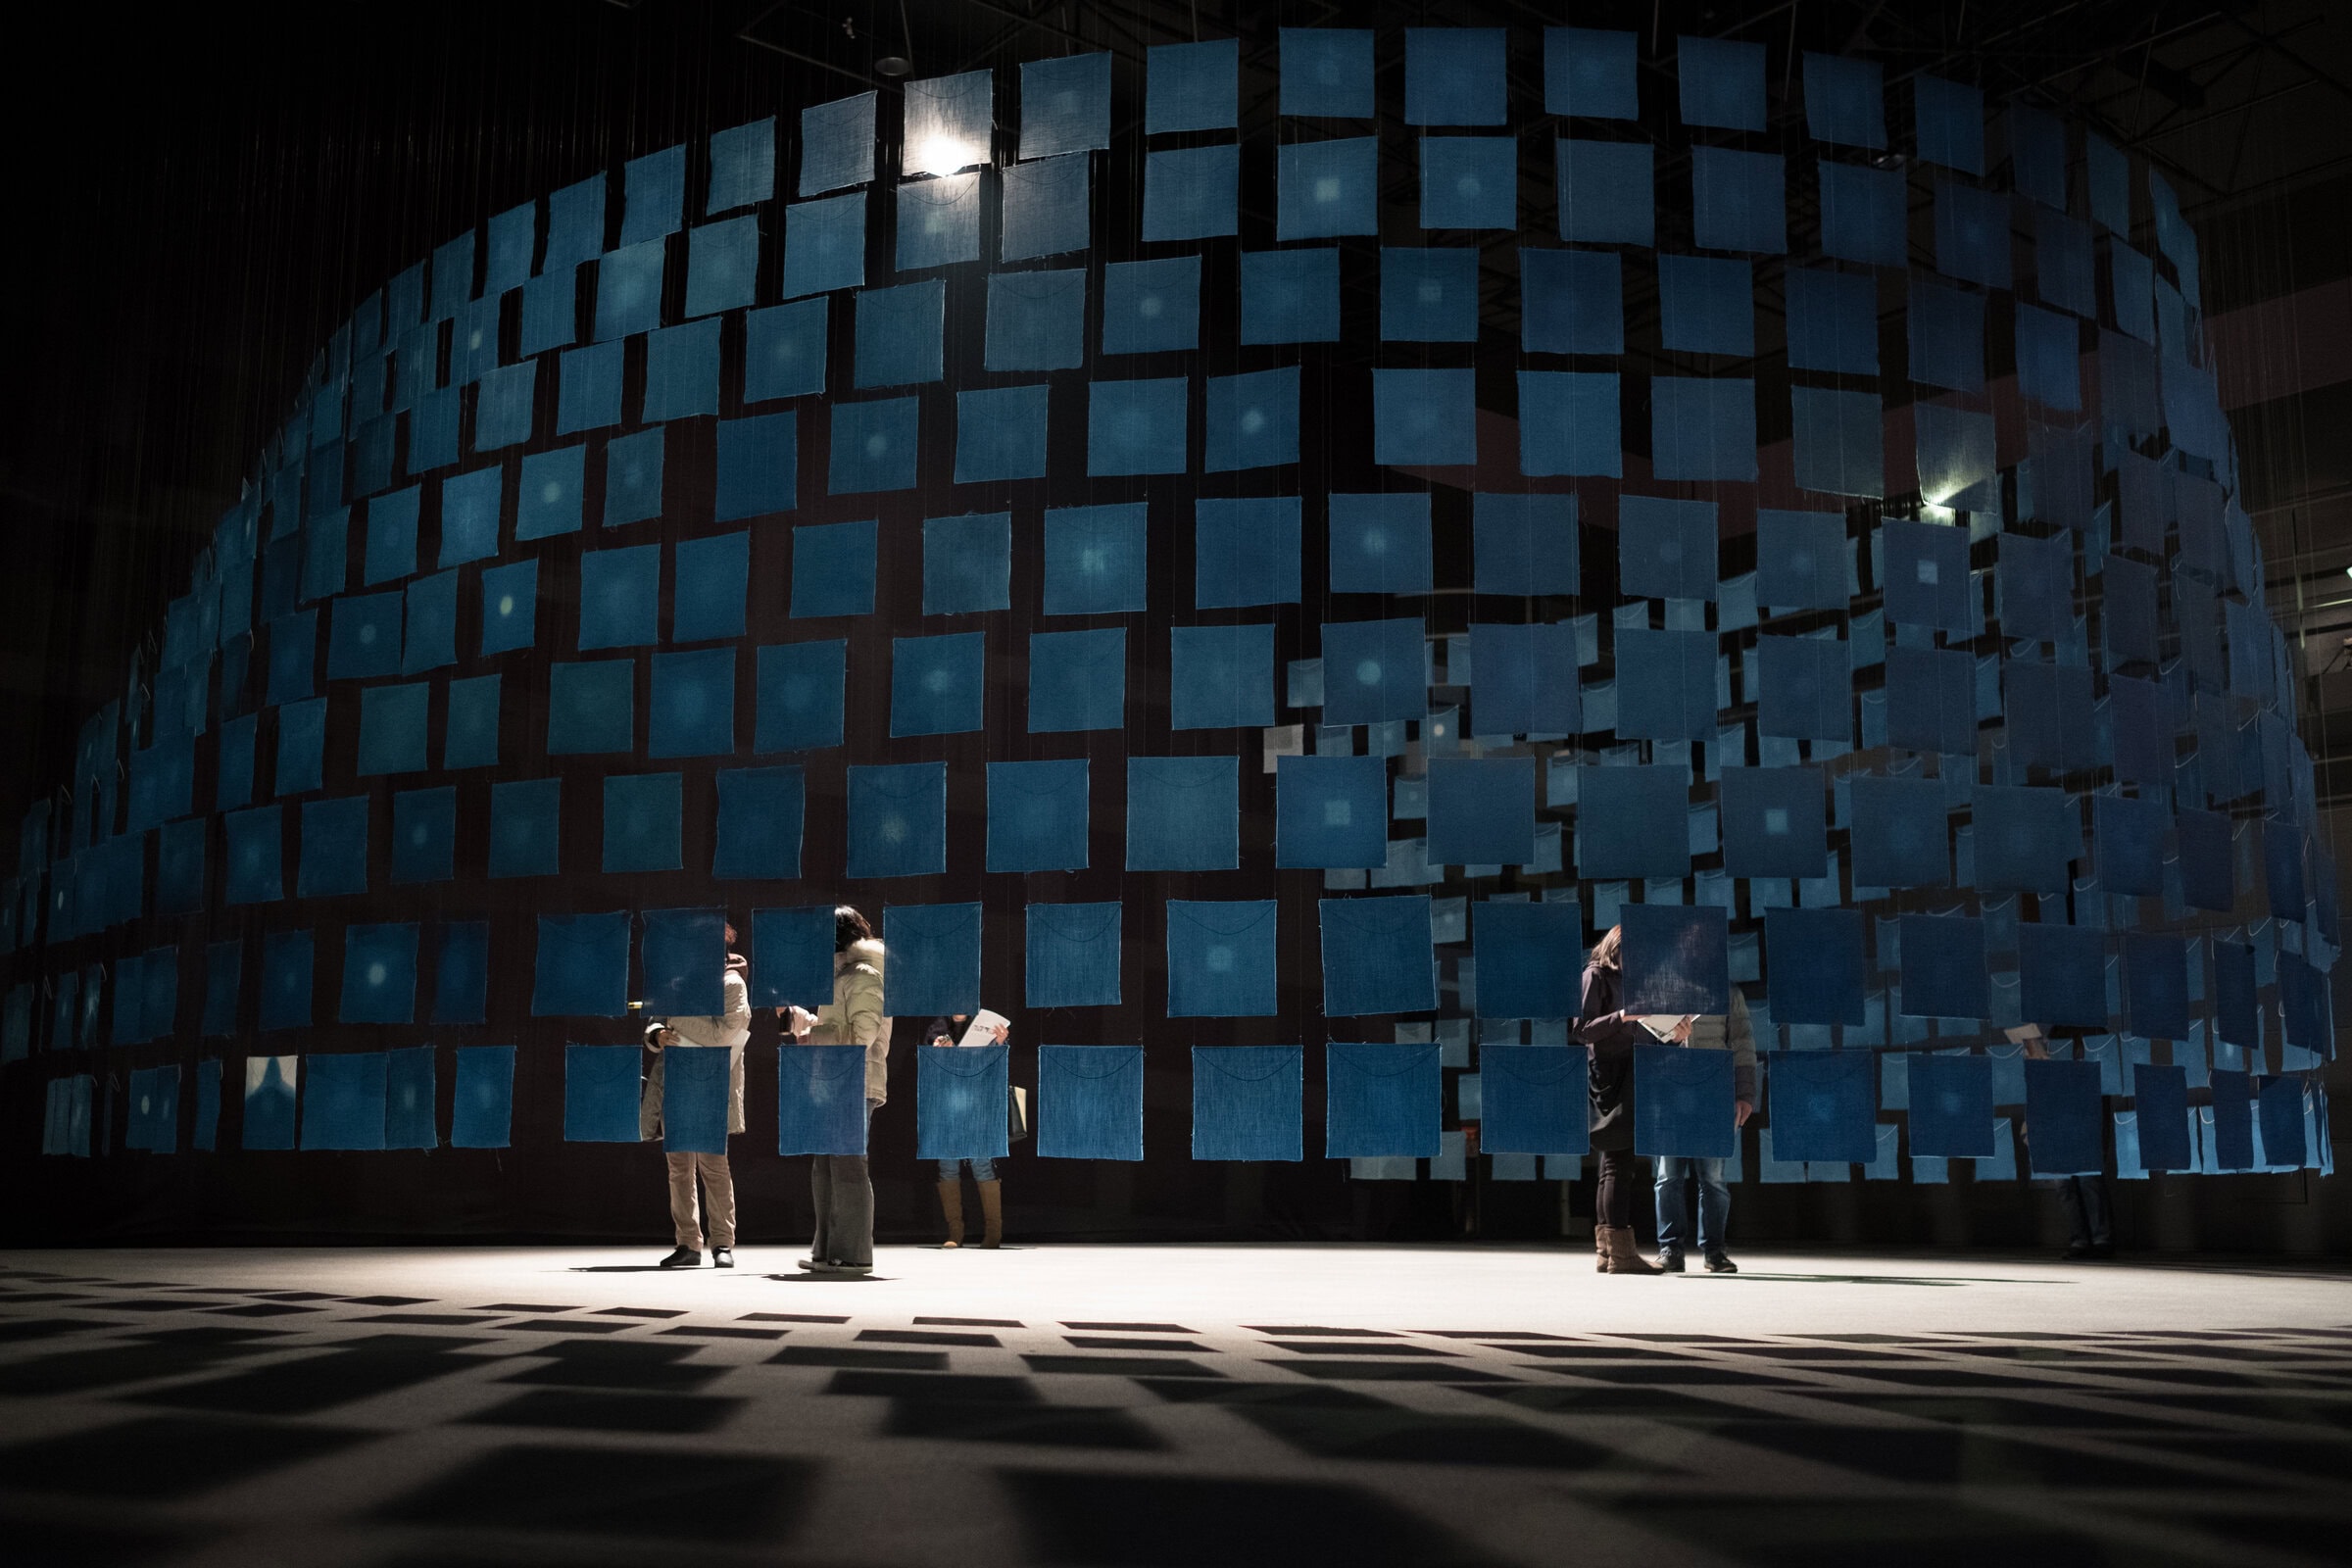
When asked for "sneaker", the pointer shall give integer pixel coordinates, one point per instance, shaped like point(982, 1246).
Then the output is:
point(723, 1257)
point(683, 1258)
point(1721, 1263)
point(1670, 1263)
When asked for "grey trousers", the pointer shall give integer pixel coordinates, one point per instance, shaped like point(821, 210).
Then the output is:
point(685, 1217)
point(844, 1196)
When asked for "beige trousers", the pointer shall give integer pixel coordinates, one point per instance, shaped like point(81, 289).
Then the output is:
point(684, 1217)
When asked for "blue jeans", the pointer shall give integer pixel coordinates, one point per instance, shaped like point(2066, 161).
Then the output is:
point(1714, 1203)
point(983, 1170)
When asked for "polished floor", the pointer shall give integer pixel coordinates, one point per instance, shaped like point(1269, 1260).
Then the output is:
point(1169, 1405)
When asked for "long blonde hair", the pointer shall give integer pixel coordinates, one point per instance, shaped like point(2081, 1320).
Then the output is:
point(1606, 951)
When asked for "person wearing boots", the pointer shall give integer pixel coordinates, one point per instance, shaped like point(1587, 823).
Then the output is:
point(945, 1034)
point(840, 1185)
point(727, 1032)
point(1612, 1034)
point(1731, 1032)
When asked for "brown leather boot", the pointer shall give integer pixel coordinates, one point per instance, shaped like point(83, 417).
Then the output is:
point(950, 1203)
point(1624, 1258)
point(992, 1213)
point(1600, 1248)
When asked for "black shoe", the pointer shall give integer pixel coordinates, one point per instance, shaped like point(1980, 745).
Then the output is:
point(723, 1257)
point(1721, 1263)
point(2077, 1251)
point(1670, 1263)
point(683, 1258)
point(2101, 1252)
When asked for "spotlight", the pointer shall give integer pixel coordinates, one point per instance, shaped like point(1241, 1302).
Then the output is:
point(893, 66)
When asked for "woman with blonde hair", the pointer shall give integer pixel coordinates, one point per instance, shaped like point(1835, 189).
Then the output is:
point(1612, 1033)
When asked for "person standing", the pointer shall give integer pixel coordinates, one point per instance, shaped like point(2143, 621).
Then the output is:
point(1612, 1034)
point(1733, 1032)
point(946, 1033)
point(727, 1032)
point(2084, 1200)
point(841, 1185)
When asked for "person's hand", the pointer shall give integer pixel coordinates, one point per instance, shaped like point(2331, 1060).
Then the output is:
point(1740, 1112)
point(1681, 1033)
point(800, 1021)
point(667, 1037)
point(1002, 1031)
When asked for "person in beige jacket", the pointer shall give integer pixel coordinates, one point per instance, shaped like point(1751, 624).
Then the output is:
point(840, 1185)
point(727, 1032)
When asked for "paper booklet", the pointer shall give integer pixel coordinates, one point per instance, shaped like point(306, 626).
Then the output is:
point(1664, 1024)
point(983, 1029)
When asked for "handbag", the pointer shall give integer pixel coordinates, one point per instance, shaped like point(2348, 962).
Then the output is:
point(1016, 1114)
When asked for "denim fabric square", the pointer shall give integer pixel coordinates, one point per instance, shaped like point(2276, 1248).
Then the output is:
point(1148, 307)
point(1095, 559)
point(1047, 205)
point(179, 866)
point(1572, 301)
point(2230, 1137)
point(1423, 416)
point(1606, 192)
point(1221, 960)
point(1739, 199)
point(2063, 1117)
point(1182, 814)
point(761, 811)
point(1931, 700)
point(1825, 1105)
point(1380, 544)
point(363, 636)
point(1001, 434)
point(1469, 182)
point(582, 970)
point(1252, 421)
point(934, 960)
point(1072, 954)
point(1839, 440)
point(1948, 120)
point(1804, 688)
point(344, 1107)
point(2025, 839)
point(2161, 1096)
point(1844, 103)
point(391, 551)
point(392, 729)
point(600, 1089)
point(1666, 549)
point(784, 351)
point(1037, 816)
point(1666, 685)
point(1246, 552)
point(684, 956)
point(959, 1102)
point(326, 555)
point(1381, 1101)
point(1220, 677)
point(1291, 296)
point(1535, 1100)
point(874, 446)
point(792, 958)
point(432, 439)
point(470, 736)
point(424, 830)
point(286, 964)
point(758, 466)
point(801, 694)
point(937, 684)
point(714, 575)
point(642, 823)
point(501, 412)
point(939, 222)
point(967, 564)
point(1065, 105)
point(526, 827)
point(1775, 821)
point(691, 712)
point(898, 819)
point(1901, 833)
point(1946, 327)
point(1677, 960)
point(1683, 1103)
point(1429, 295)
point(681, 371)
point(620, 597)
point(1077, 680)
point(1813, 968)
point(1926, 577)
point(1036, 321)
point(1524, 680)
point(1324, 189)
point(833, 570)
point(1246, 1101)
point(1331, 812)
point(1089, 1102)
point(1529, 958)
point(1832, 323)
point(693, 1100)
point(550, 308)
point(2155, 986)
point(2236, 1019)
point(2062, 976)
point(1943, 967)
point(1377, 956)
point(334, 848)
point(223, 966)
point(1482, 811)
point(1190, 194)
point(1702, 429)
point(2035, 579)
point(1327, 71)
point(1973, 234)
point(1707, 304)
point(1722, 81)
point(2207, 880)
point(628, 290)
point(432, 616)
point(1633, 822)
point(824, 245)
point(900, 332)
point(743, 165)
point(379, 974)
point(837, 144)
point(652, 195)
point(154, 1125)
point(269, 1101)
point(1136, 427)
point(2128, 836)
point(1374, 670)
point(821, 1104)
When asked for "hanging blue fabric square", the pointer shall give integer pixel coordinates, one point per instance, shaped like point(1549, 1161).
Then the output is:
point(652, 195)
point(591, 706)
point(1089, 1102)
point(1530, 959)
point(364, 637)
point(1136, 426)
point(758, 463)
point(1036, 321)
point(334, 848)
point(509, 605)
point(1291, 296)
point(1946, 336)
point(1381, 1101)
point(1190, 192)
point(462, 979)
point(154, 1124)
point(600, 1089)
point(620, 597)
point(2232, 1120)
point(1901, 833)
point(1607, 192)
point(1666, 684)
point(833, 567)
point(1633, 822)
point(821, 1096)
point(1380, 544)
point(2025, 839)
point(1839, 441)
point(483, 1105)
point(344, 1105)
point(179, 882)
point(2063, 1118)
point(205, 1136)
point(900, 332)
point(1932, 699)
point(837, 144)
point(1150, 307)
point(2142, 732)
point(693, 707)
point(1706, 304)
point(1182, 814)
point(409, 1102)
point(783, 357)
point(1924, 570)
point(235, 787)
point(898, 819)
point(301, 747)
point(1524, 680)
point(1246, 1101)
point(1377, 956)
point(1331, 812)
point(1246, 552)
point(2062, 976)
point(792, 956)
point(379, 973)
point(1327, 71)
point(2048, 713)
point(1482, 811)
point(2207, 880)
point(1971, 234)
point(694, 1100)
point(1804, 688)
point(643, 822)
point(1423, 416)
point(1677, 960)
point(801, 695)
point(1958, 460)
point(1524, 544)
point(684, 953)
point(551, 306)
point(2128, 836)
point(1455, 75)
point(326, 555)
point(269, 1101)
point(2304, 1005)
point(2161, 1096)
point(224, 974)
point(2155, 986)
point(1095, 559)
point(1952, 1106)
point(1048, 204)
point(1722, 82)
point(628, 290)
point(391, 551)
point(712, 578)
point(1221, 959)
point(1001, 433)
point(1192, 87)
point(1077, 680)
point(1074, 954)
point(2282, 869)
point(1427, 294)
point(1037, 816)
point(392, 729)
point(761, 813)
point(824, 244)
point(959, 1102)
point(1065, 105)
point(1825, 1105)
point(1535, 1100)
point(939, 222)
point(2278, 1109)
point(1844, 101)
point(743, 167)
point(967, 564)
point(159, 1003)
point(431, 612)
point(1683, 1103)
point(582, 970)
point(1949, 121)
point(1469, 182)
point(1775, 821)
point(293, 656)
point(525, 819)
point(1573, 301)
point(1943, 967)
point(1666, 549)
point(1832, 326)
point(1375, 670)
point(2049, 357)
point(1250, 422)
point(1220, 677)
point(937, 684)
point(1324, 189)
point(1739, 199)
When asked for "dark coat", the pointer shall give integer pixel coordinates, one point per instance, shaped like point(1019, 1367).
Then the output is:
point(1612, 1039)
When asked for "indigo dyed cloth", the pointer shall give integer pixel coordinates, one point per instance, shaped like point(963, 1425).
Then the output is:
point(1245, 1102)
point(1182, 814)
point(2232, 1120)
point(694, 1100)
point(154, 1124)
point(344, 1105)
point(1824, 1106)
point(1531, 960)
point(583, 966)
point(1535, 1100)
point(1677, 959)
point(1221, 959)
point(2064, 1119)
point(1074, 954)
point(462, 988)
point(2278, 1109)
point(600, 1089)
point(1813, 966)
point(1950, 1107)
point(2062, 976)
point(409, 1107)
point(821, 1104)
point(684, 954)
point(2161, 1096)
point(960, 1101)
point(792, 956)
point(1089, 1102)
point(934, 960)
point(379, 973)
point(1377, 956)
point(1683, 1101)
point(1381, 1101)
point(1331, 812)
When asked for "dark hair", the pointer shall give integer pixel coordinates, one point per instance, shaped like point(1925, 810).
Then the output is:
point(848, 926)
